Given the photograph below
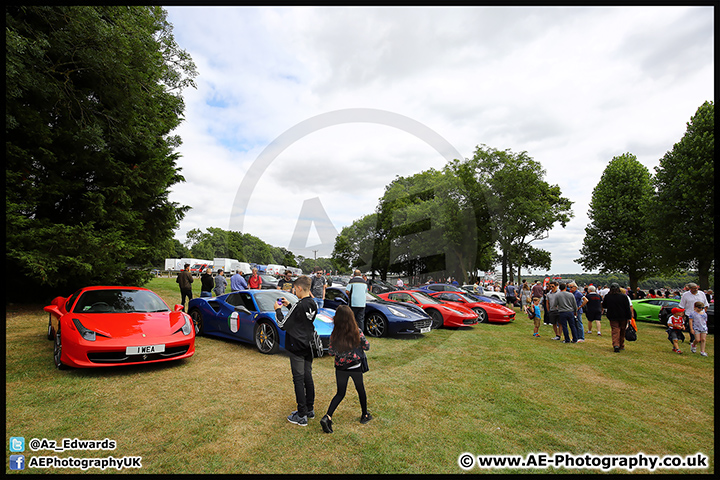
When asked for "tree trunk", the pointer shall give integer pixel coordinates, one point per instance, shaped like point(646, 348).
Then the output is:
point(633, 281)
point(504, 269)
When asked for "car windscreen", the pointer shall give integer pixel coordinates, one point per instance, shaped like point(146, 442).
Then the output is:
point(266, 299)
point(119, 301)
point(371, 297)
point(425, 299)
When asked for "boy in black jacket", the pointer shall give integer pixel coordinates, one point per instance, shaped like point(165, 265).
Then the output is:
point(299, 327)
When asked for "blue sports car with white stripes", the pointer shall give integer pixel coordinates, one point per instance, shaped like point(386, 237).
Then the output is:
point(249, 316)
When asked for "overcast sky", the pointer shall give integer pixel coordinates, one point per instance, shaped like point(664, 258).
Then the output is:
point(318, 109)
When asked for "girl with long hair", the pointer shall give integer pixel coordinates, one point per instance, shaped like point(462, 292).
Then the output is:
point(347, 344)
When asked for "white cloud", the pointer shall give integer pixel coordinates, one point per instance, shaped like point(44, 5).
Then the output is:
point(571, 86)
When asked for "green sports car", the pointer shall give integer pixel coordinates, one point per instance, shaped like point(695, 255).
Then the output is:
point(648, 309)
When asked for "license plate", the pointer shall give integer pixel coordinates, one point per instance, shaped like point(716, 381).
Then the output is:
point(425, 330)
point(145, 350)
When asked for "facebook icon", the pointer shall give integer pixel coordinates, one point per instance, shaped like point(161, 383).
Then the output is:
point(17, 462)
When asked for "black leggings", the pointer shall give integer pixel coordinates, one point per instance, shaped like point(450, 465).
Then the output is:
point(341, 378)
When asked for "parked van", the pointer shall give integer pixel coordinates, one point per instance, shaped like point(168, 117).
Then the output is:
point(273, 269)
point(243, 266)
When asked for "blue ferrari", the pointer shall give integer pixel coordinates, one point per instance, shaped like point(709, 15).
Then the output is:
point(383, 317)
point(249, 316)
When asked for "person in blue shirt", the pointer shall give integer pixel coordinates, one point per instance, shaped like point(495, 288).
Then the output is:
point(581, 301)
point(533, 311)
point(357, 291)
point(237, 282)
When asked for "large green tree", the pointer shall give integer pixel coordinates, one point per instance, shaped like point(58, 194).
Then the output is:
point(619, 237)
point(427, 226)
point(522, 206)
point(684, 207)
point(92, 94)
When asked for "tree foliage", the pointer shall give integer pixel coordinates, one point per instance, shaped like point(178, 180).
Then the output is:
point(522, 207)
point(92, 94)
point(619, 237)
point(244, 247)
point(448, 222)
point(355, 243)
point(684, 207)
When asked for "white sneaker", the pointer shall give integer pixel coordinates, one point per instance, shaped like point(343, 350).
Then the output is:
point(693, 349)
point(703, 354)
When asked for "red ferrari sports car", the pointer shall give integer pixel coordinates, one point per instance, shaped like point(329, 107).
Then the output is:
point(441, 313)
point(486, 312)
point(110, 326)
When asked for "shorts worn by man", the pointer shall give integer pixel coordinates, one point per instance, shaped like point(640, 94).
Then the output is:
point(318, 288)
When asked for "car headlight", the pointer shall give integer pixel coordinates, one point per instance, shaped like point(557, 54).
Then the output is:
point(457, 311)
point(397, 312)
point(84, 332)
point(187, 328)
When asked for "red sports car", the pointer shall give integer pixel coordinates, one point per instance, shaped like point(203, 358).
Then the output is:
point(441, 313)
point(486, 312)
point(110, 326)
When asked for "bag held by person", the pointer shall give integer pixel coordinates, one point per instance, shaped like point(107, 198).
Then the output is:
point(316, 345)
point(364, 367)
point(630, 333)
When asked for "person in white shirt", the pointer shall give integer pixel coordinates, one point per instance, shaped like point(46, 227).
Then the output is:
point(687, 302)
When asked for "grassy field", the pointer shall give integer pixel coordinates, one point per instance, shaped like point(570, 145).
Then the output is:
point(485, 390)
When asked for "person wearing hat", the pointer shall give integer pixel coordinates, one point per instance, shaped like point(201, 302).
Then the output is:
point(676, 324)
point(618, 312)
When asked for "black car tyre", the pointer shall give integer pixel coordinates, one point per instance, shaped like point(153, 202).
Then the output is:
point(57, 351)
point(266, 337)
point(482, 315)
point(376, 325)
point(437, 319)
point(197, 318)
point(50, 335)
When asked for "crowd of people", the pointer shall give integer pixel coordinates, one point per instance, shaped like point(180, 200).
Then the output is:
point(557, 304)
point(562, 305)
point(217, 284)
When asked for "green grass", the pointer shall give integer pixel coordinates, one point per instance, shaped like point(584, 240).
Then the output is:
point(487, 390)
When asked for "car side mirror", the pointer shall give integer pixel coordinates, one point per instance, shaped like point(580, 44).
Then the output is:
point(179, 308)
point(52, 309)
point(242, 308)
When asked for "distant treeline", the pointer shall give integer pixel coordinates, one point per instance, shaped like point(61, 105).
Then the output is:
point(582, 279)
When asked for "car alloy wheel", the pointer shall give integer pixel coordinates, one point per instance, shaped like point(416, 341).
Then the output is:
point(57, 351)
point(376, 325)
point(266, 338)
point(437, 319)
point(197, 318)
point(482, 315)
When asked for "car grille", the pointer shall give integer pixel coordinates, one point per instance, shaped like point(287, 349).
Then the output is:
point(470, 321)
point(420, 324)
point(119, 356)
